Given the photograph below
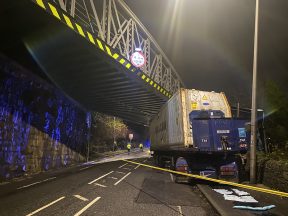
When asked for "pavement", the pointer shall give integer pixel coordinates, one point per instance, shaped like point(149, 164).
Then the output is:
point(225, 207)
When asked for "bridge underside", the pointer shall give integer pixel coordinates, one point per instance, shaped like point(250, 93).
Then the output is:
point(83, 72)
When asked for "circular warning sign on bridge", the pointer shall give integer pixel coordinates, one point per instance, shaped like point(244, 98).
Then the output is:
point(138, 59)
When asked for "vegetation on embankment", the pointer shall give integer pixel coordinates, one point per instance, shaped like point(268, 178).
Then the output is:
point(273, 170)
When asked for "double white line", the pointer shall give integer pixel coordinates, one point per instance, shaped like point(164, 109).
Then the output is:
point(35, 183)
point(46, 206)
point(55, 201)
point(109, 174)
point(100, 177)
point(122, 178)
point(87, 206)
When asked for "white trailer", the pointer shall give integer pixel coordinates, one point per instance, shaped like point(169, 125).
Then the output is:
point(195, 128)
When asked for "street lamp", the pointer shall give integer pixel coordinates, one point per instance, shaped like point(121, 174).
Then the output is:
point(254, 105)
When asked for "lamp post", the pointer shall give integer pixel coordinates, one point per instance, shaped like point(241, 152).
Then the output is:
point(254, 105)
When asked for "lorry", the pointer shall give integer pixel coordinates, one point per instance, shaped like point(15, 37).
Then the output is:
point(194, 132)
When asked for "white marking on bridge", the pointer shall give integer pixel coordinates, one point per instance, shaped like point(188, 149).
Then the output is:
point(35, 183)
point(122, 178)
point(87, 206)
point(80, 197)
point(137, 166)
point(100, 177)
point(46, 206)
point(97, 184)
point(122, 165)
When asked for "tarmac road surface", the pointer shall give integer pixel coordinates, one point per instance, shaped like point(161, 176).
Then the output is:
point(104, 188)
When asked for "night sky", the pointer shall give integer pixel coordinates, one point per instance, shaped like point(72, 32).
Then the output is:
point(210, 42)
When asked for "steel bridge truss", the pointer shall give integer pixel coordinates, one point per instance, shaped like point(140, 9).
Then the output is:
point(115, 23)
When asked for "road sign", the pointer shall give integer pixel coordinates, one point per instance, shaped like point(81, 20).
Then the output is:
point(138, 58)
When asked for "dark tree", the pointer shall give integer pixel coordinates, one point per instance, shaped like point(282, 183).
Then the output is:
point(276, 109)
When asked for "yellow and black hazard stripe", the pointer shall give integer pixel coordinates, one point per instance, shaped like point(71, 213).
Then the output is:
point(72, 24)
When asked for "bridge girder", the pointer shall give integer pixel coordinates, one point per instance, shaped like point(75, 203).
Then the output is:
point(93, 73)
point(115, 23)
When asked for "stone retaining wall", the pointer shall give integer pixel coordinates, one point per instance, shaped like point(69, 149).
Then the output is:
point(40, 127)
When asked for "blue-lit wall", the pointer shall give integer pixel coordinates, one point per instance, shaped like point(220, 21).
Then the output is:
point(40, 128)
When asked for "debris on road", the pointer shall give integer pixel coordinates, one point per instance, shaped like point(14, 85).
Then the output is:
point(244, 199)
point(240, 193)
point(223, 191)
point(264, 208)
point(239, 196)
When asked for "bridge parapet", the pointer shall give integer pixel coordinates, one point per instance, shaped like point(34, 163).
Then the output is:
point(115, 23)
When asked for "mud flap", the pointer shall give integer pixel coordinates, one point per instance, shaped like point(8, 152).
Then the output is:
point(182, 166)
point(229, 172)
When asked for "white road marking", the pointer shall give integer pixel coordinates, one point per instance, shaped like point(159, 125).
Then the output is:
point(85, 168)
point(46, 206)
point(137, 166)
point(126, 168)
point(112, 177)
point(120, 172)
point(123, 165)
point(36, 183)
point(180, 210)
point(130, 165)
point(80, 197)
point(100, 177)
point(172, 179)
point(96, 184)
point(87, 206)
point(19, 179)
point(122, 178)
point(144, 161)
point(4, 183)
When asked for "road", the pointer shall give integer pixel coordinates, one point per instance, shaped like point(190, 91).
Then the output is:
point(104, 188)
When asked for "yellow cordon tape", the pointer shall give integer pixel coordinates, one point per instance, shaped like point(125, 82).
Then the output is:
point(274, 192)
